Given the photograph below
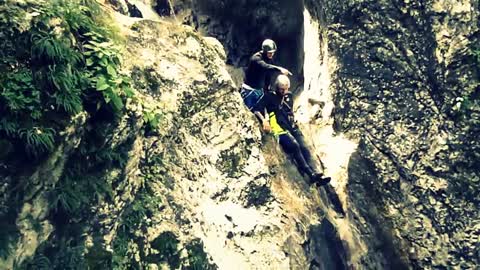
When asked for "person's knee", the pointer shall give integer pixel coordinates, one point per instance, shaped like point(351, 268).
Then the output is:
point(294, 146)
point(290, 144)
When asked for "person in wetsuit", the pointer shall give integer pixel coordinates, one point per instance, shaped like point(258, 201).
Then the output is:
point(275, 112)
point(259, 72)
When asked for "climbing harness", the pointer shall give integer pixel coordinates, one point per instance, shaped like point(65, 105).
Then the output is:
point(250, 95)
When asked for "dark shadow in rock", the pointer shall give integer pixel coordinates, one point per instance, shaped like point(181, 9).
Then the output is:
point(367, 199)
point(241, 27)
point(134, 11)
point(163, 8)
point(325, 247)
point(257, 195)
point(334, 200)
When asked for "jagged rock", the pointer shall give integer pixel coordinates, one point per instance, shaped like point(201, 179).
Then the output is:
point(205, 153)
point(133, 11)
point(120, 6)
point(401, 75)
point(399, 69)
point(32, 224)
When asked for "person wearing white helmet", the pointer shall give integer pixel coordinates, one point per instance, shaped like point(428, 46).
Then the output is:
point(259, 72)
point(281, 122)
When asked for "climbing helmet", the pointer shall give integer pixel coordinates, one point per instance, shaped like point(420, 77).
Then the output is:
point(269, 45)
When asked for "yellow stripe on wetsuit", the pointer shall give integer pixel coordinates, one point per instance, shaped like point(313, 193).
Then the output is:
point(276, 128)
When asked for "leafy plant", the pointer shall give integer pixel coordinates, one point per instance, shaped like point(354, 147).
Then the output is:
point(197, 258)
point(60, 60)
point(76, 190)
point(20, 93)
point(121, 259)
point(142, 207)
point(103, 59)
point(152, 115)
point(38, 138)
point(167, 245)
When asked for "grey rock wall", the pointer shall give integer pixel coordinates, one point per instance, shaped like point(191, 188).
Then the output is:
point(405, 71)
point(205, 190)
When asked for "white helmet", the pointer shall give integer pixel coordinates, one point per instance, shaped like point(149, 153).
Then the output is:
point(269, 45)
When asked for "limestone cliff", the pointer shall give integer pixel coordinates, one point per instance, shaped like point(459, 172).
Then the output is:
point(387, 93)
point(405, 82)
point(203, 190)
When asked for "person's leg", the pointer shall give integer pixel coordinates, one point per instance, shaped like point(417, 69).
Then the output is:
point(291, 146)
point(297, 134)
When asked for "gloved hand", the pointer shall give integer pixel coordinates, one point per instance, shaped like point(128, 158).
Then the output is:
point(285, 71)
point(266, 127)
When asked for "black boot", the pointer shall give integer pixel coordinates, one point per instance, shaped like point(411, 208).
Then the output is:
point(319, 179)
point(322, 180)
point(315, 178)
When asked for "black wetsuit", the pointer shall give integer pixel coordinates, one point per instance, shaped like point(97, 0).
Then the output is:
point(259, 71)
point(292, 141)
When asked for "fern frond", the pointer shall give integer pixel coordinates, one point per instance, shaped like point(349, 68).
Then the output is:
point(41, 262)
point(10, 128)
point(38, 139)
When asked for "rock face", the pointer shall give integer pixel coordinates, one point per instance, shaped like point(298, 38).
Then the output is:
point(214, 181)
point(202, 191)
point(406, 85)
point(206, 190)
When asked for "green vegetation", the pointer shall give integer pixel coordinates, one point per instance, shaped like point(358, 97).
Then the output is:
point(63, 257)
point(197, 258)
point(152, 115)
point(143, 207)
point(58, 58)
point(122, 259)
point(167, 245)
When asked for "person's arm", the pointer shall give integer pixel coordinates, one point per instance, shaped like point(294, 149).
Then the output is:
point(265, 121)
point(264, 118)
point(268, 66)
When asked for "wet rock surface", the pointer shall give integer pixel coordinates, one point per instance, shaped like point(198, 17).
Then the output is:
point(205, 190)
point(403, 71)
point(202, 191)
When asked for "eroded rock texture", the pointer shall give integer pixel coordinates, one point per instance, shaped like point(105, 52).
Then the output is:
point(405, 83)
point(202, 191)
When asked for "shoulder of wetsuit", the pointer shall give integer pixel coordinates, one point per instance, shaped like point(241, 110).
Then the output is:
point(257, 55)
point(271, 94)
point(270, 97)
